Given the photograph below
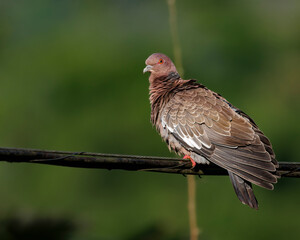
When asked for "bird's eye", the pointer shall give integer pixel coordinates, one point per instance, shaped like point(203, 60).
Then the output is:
point(161, 61)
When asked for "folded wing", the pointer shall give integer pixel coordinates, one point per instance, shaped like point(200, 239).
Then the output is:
point(204, 123)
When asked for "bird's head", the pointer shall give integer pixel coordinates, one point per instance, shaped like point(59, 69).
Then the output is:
point(159, 65)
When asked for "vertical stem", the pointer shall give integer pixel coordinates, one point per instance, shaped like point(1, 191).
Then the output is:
point(175, 38)
point(194, 231)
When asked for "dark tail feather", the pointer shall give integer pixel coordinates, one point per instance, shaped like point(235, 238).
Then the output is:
point(243, 190)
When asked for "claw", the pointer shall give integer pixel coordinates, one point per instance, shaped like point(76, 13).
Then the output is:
point(193, 162)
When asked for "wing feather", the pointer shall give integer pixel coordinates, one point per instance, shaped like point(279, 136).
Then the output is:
point(206, 124)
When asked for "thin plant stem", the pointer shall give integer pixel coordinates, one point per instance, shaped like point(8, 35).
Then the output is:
point(194, 230)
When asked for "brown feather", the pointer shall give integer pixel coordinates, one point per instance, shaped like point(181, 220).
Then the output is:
point(196, 121)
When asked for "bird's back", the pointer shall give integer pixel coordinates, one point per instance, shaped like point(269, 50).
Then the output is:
point(204, 124)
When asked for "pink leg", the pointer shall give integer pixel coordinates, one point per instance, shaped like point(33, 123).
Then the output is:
point(188, 157)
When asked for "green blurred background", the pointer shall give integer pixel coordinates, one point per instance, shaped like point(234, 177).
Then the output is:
point(71, 79)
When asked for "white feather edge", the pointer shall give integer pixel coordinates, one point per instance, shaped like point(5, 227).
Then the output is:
point(188, 140)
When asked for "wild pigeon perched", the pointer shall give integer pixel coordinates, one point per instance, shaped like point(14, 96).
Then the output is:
point(204, 127)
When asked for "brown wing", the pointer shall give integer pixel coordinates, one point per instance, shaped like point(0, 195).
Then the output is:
point(206, 124)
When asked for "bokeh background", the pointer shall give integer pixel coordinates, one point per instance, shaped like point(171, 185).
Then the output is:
point(71, 79)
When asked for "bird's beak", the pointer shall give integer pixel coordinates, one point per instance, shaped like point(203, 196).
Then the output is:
point(147, 68)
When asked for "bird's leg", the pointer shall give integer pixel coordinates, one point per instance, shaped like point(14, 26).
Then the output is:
point(189, 157)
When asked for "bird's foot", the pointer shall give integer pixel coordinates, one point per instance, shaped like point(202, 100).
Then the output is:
point(192, 160)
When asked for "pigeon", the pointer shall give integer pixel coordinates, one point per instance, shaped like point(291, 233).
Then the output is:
point(204, 127)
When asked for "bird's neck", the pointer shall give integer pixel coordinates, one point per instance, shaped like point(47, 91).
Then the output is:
point(162, 89)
